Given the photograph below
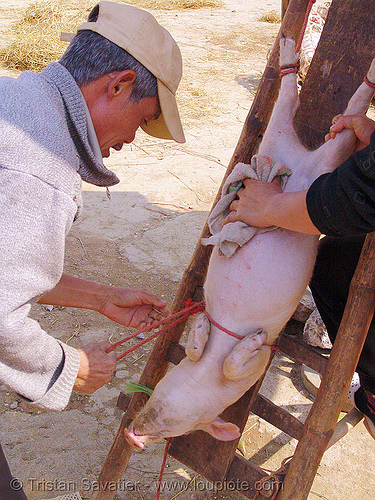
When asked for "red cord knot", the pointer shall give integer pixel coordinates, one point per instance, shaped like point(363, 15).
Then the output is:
point(196, 306)
point(370, 84)
point(289, 68)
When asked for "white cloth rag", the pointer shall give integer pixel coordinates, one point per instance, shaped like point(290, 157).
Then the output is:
point(235, 234)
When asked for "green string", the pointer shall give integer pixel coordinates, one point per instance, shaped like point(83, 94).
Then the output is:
point(132, 387)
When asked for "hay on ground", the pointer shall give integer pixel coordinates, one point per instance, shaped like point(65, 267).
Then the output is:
point(36, 35)
point(271, 17)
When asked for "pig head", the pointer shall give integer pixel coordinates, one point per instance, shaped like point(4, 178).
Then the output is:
point(192, 394)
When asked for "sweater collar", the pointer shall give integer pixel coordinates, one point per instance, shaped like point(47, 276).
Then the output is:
point(92, 169)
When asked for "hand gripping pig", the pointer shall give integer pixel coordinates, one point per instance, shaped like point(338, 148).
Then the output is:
point(253, 293)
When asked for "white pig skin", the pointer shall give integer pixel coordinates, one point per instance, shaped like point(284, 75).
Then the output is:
point(256, 290)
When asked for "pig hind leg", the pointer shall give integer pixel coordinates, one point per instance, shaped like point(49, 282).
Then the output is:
point(248, 359)
point(280, 131)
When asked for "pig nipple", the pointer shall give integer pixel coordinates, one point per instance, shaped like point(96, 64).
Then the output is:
point(248, 267)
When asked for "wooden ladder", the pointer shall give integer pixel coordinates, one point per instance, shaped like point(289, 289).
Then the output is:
point(342, 58)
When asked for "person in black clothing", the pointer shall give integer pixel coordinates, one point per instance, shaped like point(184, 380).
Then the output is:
point(340, 205)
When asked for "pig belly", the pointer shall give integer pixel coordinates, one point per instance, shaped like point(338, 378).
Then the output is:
point(261, 285)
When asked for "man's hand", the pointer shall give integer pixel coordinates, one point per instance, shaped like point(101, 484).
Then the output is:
point(361, 125)
point(253, 203)
point(132, 307)
point(264, 204)
point(96, 368)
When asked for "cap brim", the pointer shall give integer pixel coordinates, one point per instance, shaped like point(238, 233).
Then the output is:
point(168, 125)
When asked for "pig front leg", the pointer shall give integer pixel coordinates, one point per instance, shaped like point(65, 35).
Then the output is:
point(198, 328)
point(248, 359)
point(361, 99)
point(332, 153)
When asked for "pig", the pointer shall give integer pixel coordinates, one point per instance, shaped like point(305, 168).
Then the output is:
point(253, 293)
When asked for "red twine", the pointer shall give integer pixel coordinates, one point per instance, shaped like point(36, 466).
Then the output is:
point(309, 7)
point(287, 71)
point(191, 308)
point(293, 68)
point(232, 334)
point(163, 467)
point(370, 84)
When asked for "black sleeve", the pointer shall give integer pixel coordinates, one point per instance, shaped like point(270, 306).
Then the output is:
point(342, 203)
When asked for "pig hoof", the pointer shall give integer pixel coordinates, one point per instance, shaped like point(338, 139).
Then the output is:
point(248, 358)
point(198, 329)
point(288, 53)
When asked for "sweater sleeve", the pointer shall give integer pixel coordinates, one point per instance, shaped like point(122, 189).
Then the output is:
point(34, 220)
point(342, 202)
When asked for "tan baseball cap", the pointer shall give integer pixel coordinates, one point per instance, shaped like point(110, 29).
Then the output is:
point(138, 32)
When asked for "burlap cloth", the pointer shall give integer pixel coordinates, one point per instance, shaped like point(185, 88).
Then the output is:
point(235, 234)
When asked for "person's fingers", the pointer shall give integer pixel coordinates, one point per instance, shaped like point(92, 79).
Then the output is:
point(336, 118)
point(104, 345)
point(233, 206)
point(231, 217)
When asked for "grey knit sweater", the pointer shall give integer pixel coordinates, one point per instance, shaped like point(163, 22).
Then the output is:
point(44, 153)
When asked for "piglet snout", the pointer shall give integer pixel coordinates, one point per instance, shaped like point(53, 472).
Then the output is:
point(134, 440)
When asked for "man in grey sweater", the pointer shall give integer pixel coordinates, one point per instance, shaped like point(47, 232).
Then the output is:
point(120, 72)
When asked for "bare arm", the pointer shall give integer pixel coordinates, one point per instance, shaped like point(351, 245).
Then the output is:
point(127, 306)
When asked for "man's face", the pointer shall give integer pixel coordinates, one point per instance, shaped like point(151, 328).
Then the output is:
point(118, 123)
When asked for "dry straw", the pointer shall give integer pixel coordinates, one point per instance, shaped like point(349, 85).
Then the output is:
point(271, 17)
point(36, 34)
point(176, 4)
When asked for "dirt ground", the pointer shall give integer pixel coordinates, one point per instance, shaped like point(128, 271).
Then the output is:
point(143, 236)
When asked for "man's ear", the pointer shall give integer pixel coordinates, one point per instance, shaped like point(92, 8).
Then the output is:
point(121, 82)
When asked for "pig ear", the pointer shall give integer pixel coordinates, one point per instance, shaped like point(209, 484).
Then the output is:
point(221, 430)
point(198, 329)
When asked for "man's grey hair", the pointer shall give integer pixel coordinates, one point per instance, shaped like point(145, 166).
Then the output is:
point(91, 56)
